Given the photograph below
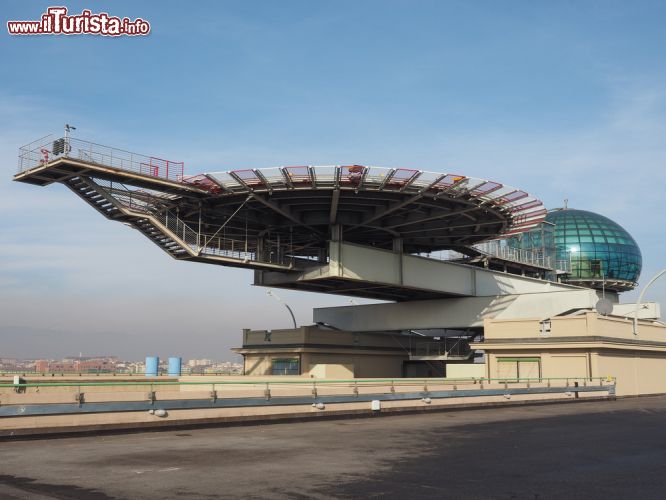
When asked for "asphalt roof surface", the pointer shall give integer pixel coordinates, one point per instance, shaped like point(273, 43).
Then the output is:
point(607, 449)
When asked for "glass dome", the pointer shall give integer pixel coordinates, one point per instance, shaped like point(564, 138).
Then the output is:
point(591, 250)
point(595, 250)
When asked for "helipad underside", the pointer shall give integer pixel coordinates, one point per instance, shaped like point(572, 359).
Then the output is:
point(381, 274)
point(282, 219)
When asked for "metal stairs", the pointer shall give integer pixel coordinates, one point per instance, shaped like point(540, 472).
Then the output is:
point(97, 197)
point(448, 349)
point(150, 215)
point(442, 357)
point(94, 196)
point(157, 235)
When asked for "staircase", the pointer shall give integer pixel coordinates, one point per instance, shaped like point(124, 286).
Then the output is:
point(161, 239)
point(448, 349)
point(94, 196)
point(97, 197)
point(149, 214)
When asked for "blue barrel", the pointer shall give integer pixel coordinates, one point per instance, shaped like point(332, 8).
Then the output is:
point(152, 366)
point(175, 366)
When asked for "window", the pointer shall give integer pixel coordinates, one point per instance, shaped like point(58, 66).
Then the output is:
point(515, 369)
point(286, 366)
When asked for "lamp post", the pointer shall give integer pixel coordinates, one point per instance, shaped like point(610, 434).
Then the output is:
point(68, 129)
point(640, 298)
point(270, 293)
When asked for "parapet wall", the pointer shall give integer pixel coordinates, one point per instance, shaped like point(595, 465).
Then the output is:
point(30, 411)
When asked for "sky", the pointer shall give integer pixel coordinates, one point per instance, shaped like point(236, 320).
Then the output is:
point(563, 99)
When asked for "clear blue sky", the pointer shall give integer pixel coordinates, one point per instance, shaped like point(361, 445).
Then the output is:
point(563, 99)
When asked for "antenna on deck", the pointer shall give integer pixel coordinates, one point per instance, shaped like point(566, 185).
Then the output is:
point(66, 147)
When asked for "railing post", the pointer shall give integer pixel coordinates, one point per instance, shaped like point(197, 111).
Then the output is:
point(79, 397)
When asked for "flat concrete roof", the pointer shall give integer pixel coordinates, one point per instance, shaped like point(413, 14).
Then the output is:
point(610, 449)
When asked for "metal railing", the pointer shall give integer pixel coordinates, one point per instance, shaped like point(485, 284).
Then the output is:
point(526, 211)
point(152, 204)
point(162, 372)
point(447, 347)
point(207, 244)
point(134, 199)
point(533, 257)
point(26, 399)
point(51, 148)
point(493, 248)
point(563, 265)
point(277, 381)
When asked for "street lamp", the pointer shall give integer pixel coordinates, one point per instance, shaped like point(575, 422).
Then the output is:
point(270, 293)
point(640, 299)
point(68, 129)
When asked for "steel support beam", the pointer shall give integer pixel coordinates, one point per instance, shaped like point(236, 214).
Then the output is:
point(283, 212)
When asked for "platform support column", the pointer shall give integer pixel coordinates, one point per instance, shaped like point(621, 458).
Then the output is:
point(323, 255)
point(261, 250)
point(398, 249)
point(335, 250)
point(336, 232)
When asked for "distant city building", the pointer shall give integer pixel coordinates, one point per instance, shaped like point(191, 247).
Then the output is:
point(199, 362)
point(9, 364)
point(82, 365)
point(112, 364)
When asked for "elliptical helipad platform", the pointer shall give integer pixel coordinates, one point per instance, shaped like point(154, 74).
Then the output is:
point(289, 220)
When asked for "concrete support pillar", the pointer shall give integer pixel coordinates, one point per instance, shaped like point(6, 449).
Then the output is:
point(323, 255)
point(397, 245)
point(261, 250)
point(279, 251)
point(336, 232)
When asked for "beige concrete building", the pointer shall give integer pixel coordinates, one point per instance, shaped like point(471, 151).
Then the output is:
point(586, 345)
point(323, 353)
point(583, 346)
